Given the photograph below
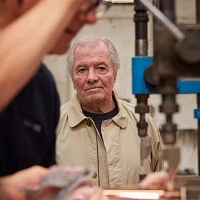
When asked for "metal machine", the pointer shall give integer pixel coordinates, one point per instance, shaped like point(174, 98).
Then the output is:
point(176, 58)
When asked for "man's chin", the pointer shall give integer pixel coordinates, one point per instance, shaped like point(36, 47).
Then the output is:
point(94, 91)
point(95, 98)
point(62, 46)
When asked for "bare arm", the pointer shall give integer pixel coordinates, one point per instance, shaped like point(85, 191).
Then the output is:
point(25, 41)
point(11, 186)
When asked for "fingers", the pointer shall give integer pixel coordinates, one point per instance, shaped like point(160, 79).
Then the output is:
point(157, 180)
point(89, 17)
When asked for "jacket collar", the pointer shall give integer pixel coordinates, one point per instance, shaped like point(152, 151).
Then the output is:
point(76, 116)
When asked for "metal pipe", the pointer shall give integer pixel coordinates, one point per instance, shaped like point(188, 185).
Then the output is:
point(198, 96)
point(174, 30)
point(167, 7)
point(197, 11)
point(141, 49)
point(141, 30)
point(198, 136)
point(157, 4)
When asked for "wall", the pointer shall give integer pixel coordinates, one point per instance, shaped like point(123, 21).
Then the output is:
point(118, 26)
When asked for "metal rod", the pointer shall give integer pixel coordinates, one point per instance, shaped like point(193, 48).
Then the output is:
point(141, 49)
point(167, 7)
point(198, 136)
point(197, 11)
point(141, 29)
point(198, 96)
point(157, 4)
point(174, 30)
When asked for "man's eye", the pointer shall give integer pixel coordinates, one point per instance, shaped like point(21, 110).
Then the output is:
point(81, 70)
point(101, 69)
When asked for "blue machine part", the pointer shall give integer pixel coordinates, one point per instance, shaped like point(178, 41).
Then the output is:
point(197, 113)
point(139, 86)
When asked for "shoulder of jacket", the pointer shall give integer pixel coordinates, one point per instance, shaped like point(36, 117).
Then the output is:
point(127, 105)
point(153, 128)
point(149, 118)
point(63, 117)
point(129, 109)
point(64, 109)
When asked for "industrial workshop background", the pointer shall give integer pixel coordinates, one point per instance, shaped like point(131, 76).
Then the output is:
point(118, 26)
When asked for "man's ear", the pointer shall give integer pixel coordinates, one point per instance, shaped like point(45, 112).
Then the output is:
point(115, 78)
point(73, 82)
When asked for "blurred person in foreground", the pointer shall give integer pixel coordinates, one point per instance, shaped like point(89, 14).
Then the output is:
point(29, 102)
point(96, 128)
point(29, 30)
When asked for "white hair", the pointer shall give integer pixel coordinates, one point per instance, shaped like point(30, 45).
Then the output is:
point(91, 41)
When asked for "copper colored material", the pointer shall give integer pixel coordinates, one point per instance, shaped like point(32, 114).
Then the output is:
point(115, 194)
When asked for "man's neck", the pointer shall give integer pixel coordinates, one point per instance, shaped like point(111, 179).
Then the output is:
point(99, 108)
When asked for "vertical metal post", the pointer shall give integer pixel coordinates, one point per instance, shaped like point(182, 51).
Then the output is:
point(198, 136)
point(141, 48)
point(198, 95)
point(168, 7)
point(141, 30)
point(197, 11)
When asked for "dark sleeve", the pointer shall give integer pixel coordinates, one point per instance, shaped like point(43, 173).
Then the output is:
point(49, 158)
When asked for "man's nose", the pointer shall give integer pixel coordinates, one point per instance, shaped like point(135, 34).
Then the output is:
point(92, 76)
point(91, 16)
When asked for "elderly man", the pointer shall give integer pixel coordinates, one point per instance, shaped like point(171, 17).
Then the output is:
point(96, 128)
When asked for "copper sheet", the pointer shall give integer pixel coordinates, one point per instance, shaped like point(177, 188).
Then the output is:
point(117, 194)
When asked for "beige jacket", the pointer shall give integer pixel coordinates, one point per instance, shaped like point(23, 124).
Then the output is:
point(116, 161)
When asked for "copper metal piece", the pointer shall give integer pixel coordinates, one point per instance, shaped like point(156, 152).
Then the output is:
point(115, 194)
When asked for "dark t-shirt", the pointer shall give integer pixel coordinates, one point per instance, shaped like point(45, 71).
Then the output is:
point(99, 118)
point(27, 125)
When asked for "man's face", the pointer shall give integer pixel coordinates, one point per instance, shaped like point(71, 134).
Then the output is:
point(12, 9)
point(93, 74)
point(77, 23)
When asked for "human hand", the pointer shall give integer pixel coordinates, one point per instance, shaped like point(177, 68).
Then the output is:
point(66, 182)
point(156, 180)
point(11, 186)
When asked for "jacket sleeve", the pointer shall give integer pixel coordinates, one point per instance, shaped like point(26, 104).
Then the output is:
point(50, 156)
point(154, 133)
